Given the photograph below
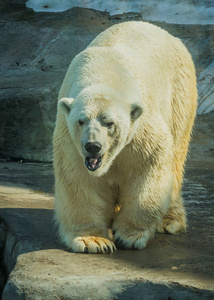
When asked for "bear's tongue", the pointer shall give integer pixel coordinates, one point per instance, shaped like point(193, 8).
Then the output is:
point(93, 163)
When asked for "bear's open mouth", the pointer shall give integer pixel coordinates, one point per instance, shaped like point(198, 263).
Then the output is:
point(93, 163)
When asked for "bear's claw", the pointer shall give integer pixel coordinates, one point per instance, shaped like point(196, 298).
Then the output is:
point(92, 244)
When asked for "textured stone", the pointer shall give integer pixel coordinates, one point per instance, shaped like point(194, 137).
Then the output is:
point(35, 52)
point(169, 11)
point(206, 90)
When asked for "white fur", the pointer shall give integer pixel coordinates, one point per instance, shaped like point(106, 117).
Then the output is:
point(138, 77)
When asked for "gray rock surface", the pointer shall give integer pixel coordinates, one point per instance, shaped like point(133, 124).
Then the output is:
point(206, 90)
point(171, 267)
point(169, 11)
point(35, 52)
point(36, 49)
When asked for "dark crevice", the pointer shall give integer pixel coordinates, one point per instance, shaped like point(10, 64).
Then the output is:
point(3, 272)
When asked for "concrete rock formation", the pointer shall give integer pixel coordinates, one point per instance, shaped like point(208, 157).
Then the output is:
point(170, 11)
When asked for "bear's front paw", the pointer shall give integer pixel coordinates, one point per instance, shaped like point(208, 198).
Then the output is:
point(130, 237)
point(92, 244)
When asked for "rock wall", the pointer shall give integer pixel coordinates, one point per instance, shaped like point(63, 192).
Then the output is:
point(170, 11)
point(36, 49)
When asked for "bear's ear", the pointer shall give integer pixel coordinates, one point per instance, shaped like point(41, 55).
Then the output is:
point(65, 104)
point(136, 111)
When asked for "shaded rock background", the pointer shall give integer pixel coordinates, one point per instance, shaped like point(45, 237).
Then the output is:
point(36, 50)
point(170, 11)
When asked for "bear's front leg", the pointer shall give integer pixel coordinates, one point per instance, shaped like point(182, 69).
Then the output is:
point(143, 204)
point(82, 219)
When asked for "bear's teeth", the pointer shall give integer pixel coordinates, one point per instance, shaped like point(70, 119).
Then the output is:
point(93, 163)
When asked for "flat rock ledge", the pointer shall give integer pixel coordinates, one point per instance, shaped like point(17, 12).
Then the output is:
point(40, 268)
point(171, 267)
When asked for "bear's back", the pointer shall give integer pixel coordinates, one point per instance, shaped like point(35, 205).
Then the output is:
point(132, 32)
point(146, 51)
point(162, 66)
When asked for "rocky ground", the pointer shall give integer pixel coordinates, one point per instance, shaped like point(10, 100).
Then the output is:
point(36, 49)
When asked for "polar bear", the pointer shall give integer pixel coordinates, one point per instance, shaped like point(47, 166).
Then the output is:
point(125, 114)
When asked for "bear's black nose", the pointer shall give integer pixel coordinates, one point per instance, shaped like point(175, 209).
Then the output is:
point(93, 147)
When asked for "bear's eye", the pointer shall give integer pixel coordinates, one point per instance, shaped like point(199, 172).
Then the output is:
point(81, 122)
point(109, 124)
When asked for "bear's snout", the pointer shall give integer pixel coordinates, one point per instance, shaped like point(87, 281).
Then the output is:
point(93, 160)
point(93, 147)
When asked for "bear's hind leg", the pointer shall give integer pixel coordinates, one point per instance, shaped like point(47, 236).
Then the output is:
point(184, 112)
point(175, 219)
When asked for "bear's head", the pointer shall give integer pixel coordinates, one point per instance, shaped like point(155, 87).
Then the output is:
point(101, 122)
